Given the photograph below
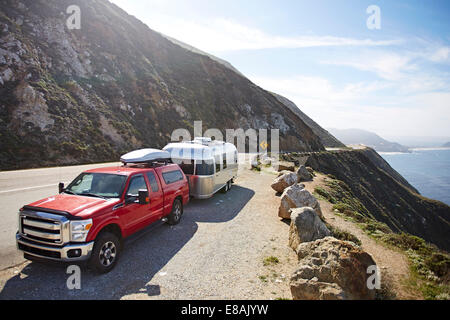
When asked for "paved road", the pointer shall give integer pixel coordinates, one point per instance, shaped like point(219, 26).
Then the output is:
point(216, 252)
point(18, 188)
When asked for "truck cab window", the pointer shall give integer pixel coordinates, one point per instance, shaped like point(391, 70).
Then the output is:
point(137, 183)
point(153, 183)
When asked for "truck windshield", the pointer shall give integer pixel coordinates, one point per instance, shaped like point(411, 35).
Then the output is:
point(100, 185)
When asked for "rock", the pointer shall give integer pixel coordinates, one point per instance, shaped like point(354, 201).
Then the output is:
point(285, 165)
point(304, 174)
point(311, 171)
point(331, 269)
point(306, 226)
point(254, 162)
point(284, 181)
point(296, 196)
point(283, 172)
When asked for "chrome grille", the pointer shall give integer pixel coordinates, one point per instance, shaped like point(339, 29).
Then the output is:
point(42, 227)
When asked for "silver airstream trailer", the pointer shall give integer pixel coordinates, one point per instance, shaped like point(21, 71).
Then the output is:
point(209, 165)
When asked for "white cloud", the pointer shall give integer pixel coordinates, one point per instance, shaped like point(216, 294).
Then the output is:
point(220, 35)
point(359, 105)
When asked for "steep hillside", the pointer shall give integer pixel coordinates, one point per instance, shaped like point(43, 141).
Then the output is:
point(327, 139)
point(74, 96)
point(370, 139)
point(388, 197)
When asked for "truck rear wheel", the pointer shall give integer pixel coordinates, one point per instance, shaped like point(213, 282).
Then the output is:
point(105, 253)
point(177, 210)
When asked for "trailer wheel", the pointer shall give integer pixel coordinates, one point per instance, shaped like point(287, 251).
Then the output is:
point(105, 253)
point(177, 211)
point(225, 188)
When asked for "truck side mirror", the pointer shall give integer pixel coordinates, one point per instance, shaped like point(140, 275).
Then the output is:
point(61, 187)
point(143, 197)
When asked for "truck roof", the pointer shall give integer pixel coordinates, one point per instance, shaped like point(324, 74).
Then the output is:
point(126, 171)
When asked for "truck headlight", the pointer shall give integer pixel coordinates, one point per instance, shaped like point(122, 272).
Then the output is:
point(79, 230)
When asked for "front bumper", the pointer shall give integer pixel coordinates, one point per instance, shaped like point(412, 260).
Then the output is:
point(68, 253)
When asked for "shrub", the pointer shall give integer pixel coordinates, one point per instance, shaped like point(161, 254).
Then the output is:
point(271, 260)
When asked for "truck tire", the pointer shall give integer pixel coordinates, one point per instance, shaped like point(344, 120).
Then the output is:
point(105, 253)
point(177, 210)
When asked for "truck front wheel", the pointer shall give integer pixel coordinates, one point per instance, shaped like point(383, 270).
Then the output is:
point(105, 253)
point(177, 210)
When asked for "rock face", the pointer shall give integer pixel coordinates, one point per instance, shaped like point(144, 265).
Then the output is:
point(327, 139)
point(331, 269)
point(296, 196)
point(113, 86)
point(306, 226)
point(284, 181)
point(304, 174)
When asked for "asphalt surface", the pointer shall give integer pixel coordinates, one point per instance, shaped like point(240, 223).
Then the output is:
point(18, 188)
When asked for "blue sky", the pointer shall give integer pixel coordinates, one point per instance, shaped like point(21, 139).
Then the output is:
point(394, 81)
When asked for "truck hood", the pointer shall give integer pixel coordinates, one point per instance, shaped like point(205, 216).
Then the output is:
point(79, 206)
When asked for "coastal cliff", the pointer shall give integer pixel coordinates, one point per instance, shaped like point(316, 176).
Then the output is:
point(386, 195)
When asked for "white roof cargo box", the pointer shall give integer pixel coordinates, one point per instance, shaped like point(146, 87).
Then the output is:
point(145, 155)
point(188, 150)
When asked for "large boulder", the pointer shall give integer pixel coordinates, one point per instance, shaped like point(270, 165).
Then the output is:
point(266, 160)
point(296, 196)
point(304, 174)
point(331, 269)
point(280, 173)
point(286, 165)
point(284, 181)
point(306, 226)
point(254, 161)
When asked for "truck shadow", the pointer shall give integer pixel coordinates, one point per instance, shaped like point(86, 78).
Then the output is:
point(144, 255)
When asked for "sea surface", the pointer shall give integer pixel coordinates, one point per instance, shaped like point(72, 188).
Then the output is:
point(427, 169)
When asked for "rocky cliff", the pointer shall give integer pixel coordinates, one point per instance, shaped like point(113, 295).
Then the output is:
point(386, 195)
point(75, 96)
point(327, 139)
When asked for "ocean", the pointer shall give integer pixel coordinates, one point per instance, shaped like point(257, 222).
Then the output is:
point(427, 169)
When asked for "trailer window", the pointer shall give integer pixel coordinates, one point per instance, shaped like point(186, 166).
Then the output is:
point(172, 176)
point(204, 168)
point(224, 157)
point(187, 166)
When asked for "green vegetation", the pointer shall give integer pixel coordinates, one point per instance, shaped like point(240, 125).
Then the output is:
point(429, 265)
point(271, 261)
point(343, 235)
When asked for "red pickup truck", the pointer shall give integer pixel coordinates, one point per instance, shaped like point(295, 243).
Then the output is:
point(90, 218)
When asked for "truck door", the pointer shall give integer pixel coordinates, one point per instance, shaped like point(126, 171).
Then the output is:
point(133, 213)
point(156, 196)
